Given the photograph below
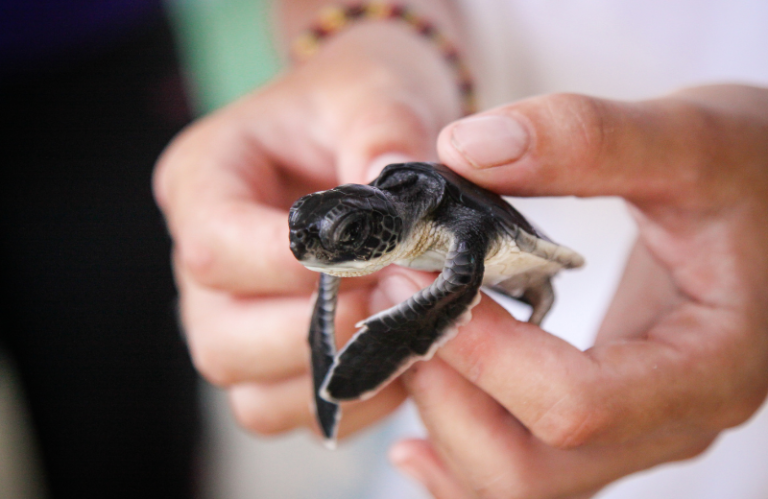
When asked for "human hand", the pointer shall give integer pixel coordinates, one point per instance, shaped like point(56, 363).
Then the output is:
point(225, 186)
point(512, 411)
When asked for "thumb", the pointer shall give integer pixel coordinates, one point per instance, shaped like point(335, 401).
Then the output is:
point(383, 133)
point(567, 144)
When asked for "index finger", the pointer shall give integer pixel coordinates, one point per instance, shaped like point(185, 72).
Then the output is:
point(224, 204)
point(242, 248)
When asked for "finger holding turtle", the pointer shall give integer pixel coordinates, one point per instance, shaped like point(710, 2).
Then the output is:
point(514, 412)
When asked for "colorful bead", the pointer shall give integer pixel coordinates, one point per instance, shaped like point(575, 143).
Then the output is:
point(333, 19)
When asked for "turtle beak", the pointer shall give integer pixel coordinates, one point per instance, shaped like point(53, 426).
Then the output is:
point(299, 250)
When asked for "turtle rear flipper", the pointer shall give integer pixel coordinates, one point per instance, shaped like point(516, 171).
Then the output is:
point(391, 341)
point(537, 293)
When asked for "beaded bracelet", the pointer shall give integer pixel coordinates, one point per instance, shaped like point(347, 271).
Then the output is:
point(333, 19)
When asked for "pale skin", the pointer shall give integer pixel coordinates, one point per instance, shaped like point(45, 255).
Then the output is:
point(511, 411)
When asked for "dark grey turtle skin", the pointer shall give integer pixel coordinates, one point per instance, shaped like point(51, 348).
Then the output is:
point(424, 216)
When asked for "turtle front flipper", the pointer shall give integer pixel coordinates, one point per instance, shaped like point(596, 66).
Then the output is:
point(322, 342)
point(389, 342)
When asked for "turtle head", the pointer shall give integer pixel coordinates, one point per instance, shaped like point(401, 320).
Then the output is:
point(350, 230)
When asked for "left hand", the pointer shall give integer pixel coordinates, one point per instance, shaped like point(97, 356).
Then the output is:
point(515, 412)
point(225, 185)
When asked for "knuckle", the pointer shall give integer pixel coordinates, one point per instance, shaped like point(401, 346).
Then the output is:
point(504, 490)
point(573, 422)
point(695, 449)
point(255, 415)
point(585, 121)
point(695, 176)
point(161, 181)
point(260, 422)
point(523, 484)
point(213, 363)
point(222, 251)
point(167, 166)
point(736, 367)
point(737, 410)
point(195, 255)
point(204, 250)
point(746, 408)
point(392, 126)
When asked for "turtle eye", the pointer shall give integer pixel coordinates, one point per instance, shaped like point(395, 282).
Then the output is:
point(352, 232)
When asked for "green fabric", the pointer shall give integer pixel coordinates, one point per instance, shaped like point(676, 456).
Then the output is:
point(227, 48)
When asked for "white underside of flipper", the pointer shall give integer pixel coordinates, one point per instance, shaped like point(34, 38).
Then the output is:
point(449, 333)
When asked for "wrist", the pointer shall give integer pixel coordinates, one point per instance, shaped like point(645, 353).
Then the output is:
point(391, 45)
point(392, 57)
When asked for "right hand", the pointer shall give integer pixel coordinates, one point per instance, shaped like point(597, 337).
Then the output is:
point(225, 185)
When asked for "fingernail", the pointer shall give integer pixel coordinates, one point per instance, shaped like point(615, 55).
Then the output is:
point(488, 141)
point(379, 162)
point(391, 291)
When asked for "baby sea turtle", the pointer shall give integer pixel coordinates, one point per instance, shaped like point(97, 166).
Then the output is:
point(423, 216)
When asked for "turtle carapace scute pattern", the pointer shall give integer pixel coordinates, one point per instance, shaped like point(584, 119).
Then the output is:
point(424, 216)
